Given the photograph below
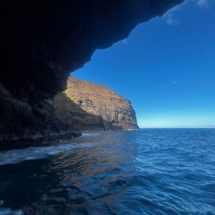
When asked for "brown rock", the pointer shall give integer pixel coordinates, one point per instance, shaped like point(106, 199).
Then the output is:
point(90, 106)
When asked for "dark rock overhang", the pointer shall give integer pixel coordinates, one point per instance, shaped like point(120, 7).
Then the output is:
point(42, 42)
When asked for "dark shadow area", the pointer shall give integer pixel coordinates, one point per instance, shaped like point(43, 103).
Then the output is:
point(40, 51)
point(22, 124)
point(72, 113)
point(71, 182)
point(22, 183)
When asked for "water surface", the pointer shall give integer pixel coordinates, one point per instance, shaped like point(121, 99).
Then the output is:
point(150, 171)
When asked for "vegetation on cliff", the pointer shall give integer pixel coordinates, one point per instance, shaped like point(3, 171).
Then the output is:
point(95, 107)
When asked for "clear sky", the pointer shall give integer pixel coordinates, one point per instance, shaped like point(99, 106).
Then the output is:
point(166, 68)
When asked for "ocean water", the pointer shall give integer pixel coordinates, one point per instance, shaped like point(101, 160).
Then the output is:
point(149, 172)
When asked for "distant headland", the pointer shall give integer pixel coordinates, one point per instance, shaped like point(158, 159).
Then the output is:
point(89, 106)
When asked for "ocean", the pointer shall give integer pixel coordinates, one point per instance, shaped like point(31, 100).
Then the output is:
point(149, 172)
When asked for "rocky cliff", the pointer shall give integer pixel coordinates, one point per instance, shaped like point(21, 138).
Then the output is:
point(90, 106)
point(42, 42)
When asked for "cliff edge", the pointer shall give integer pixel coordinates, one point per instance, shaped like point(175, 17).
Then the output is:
point(90, 106)
point(42, 42)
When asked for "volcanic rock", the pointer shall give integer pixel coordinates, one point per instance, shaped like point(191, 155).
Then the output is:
point(42, 42)
point(90, 106)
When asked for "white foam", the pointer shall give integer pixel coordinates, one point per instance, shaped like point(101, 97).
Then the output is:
point(33, 153)
point(8, 211)
point(91, 134)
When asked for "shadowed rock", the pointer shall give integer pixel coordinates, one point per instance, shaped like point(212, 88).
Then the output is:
point(81, 113)
point(90, 106)
point(43, 42)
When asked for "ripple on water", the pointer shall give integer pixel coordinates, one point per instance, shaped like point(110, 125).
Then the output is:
point(150, 171)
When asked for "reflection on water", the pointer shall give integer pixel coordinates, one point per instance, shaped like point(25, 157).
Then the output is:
point(120, 172)
point(73, 180)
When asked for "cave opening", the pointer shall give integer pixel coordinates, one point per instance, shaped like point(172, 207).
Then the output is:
point(165, 68)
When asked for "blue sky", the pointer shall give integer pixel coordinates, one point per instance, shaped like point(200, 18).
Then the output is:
point(166, 68)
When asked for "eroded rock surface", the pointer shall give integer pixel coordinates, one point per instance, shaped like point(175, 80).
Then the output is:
point(21, 121)
point(81, 113)
point(86, 106)
point(42, 42)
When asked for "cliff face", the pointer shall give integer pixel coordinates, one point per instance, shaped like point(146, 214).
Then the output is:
point(43, 42)
point(81, 112)
point(90, 106)
point(27, 121)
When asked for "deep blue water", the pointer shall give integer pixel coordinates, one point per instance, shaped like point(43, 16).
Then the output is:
point(150, 171)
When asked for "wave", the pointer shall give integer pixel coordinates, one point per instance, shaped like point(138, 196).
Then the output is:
point(8, 211)
point(18, 155)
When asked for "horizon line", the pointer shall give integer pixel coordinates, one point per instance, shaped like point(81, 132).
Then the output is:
point(177, 128)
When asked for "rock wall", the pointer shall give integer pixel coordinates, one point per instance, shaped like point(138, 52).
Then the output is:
point(85, 105)
point(25, 123)
point(42, 42)
point(81, 112)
